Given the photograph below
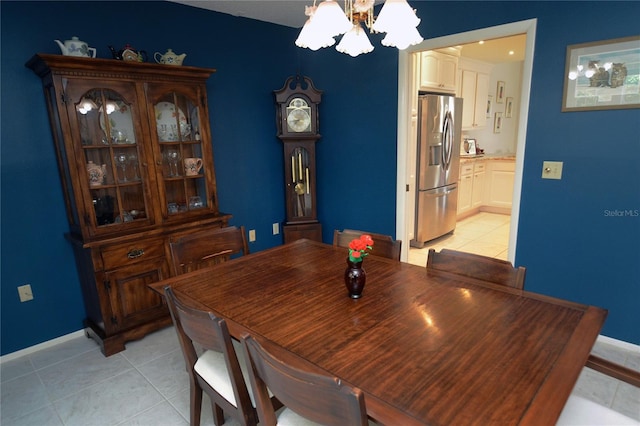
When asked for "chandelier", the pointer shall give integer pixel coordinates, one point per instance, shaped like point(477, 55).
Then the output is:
point(328, 20)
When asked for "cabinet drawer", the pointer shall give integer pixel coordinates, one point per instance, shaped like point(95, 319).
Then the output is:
point(132, 252)
point(478, 167)
point(466, 169)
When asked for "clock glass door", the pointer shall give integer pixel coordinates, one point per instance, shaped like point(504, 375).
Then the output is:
point(301, 202)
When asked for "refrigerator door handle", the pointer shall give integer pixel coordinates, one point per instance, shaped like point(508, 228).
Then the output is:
point(447, 140)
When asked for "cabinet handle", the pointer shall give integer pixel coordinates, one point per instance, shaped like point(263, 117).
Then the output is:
point(134, 253)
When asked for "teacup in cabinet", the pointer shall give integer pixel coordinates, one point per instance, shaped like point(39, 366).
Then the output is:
point(97, 173)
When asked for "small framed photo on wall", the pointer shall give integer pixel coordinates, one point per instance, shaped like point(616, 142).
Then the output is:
point(508, 108)
point(497, 123)
point(489, 111)
point(500, 92)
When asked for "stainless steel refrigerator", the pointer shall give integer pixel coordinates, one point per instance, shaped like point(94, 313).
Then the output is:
point(438, 155)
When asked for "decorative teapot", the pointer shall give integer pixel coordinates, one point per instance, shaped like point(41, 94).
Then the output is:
point(128, 53)
point(96, 173)
point(76, 47)
point(169, 58)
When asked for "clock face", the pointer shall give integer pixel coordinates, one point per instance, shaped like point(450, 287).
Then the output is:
point(298, 116)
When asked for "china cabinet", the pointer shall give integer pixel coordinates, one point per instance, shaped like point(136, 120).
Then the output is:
point(135, 157)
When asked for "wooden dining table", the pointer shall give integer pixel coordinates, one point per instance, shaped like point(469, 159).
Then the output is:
point(425, 347)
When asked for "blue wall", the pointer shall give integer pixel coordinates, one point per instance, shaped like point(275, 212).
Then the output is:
point(571, 248)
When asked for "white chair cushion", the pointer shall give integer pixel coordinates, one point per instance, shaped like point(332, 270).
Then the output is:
point(581, 412)
point(211, 367)
point(288, 417)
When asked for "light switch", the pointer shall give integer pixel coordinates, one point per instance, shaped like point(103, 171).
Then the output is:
point(552, 170)
point(252, 235)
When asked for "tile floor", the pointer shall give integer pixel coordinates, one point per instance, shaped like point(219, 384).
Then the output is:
point(483, 233)
point(72, 383)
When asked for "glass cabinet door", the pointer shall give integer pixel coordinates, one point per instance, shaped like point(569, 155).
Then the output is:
point(184, 164)
point(112, 156)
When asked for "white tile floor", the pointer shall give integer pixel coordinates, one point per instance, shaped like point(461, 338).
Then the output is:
point(484, 233)
point(72, 383)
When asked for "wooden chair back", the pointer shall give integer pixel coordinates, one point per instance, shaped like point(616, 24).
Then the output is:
point(316, 397)
point(208, 247)
point(383, 245)
point(210, 333)
point(483, 268)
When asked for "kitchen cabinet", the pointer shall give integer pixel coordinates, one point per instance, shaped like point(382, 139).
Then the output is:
point(465, 188)
point(474, 89)
point(477, 193)
point(499, 194)
point(135, 158)
point(439, 71)
point(471, 187)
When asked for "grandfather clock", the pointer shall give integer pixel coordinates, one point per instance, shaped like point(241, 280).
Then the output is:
point(297, 117)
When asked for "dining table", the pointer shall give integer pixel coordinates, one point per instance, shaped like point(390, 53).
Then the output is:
point(425, 347)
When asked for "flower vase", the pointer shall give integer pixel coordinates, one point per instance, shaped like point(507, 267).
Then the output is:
point(355, 278)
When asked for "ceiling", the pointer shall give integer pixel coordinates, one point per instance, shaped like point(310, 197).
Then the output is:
point(290, 13)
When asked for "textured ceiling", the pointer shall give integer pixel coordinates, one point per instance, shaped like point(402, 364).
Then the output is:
point(291, 14)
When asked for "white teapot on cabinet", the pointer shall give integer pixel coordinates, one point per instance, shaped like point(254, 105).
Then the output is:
point(76, 47)
point(169, 58)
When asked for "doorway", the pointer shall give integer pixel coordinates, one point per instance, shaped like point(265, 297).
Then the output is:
point(407, 118)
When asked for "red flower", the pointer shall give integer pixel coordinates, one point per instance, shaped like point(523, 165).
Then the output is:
point(359, 246)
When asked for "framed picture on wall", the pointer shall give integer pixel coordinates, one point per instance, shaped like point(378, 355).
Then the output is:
point(497, 123)
point(508, 108)
point(500, 92)
point(489, 111)
point(602, 75)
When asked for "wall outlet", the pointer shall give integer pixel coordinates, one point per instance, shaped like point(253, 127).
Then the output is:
point(276, 228)
point(252, 235)
point(25, 293)
point(552, 170)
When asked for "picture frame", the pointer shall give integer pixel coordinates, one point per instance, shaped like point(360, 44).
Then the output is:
point(497, 123)
point(508, 107)
point(602, 75)
point(489, 111)
point(500, 89)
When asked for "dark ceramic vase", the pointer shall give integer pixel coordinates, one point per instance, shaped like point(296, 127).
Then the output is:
point(355, 278)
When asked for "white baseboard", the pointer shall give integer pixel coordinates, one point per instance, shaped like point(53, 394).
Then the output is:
point(40, 346)
point(62, 339)
point(619, 343)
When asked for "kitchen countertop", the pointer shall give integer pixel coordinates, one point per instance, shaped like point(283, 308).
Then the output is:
point(499, 157)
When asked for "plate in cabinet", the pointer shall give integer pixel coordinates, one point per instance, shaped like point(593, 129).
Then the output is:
point(121, 124)
point(166, 123)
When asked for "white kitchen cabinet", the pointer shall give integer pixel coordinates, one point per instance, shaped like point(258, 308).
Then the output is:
point(439, 72)
point(477, 192)
point(465, 188)
point(501, 174)
point(474, 89)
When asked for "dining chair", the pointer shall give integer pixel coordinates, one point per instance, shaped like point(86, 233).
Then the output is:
point(383, 245)
point(217, 371)
point(309, 397)
point(483, 268)
point(207, 247)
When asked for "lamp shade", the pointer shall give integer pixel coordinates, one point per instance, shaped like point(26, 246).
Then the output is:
point(311, 37)
point(330, 20)
point(402, 38)
point(355, 42)
point(395, 14)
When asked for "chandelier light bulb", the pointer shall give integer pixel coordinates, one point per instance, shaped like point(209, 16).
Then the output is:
point(310, 37)
point(355, 42)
